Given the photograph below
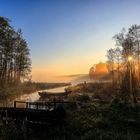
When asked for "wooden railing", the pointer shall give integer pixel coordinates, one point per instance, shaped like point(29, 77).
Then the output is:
point(34, 115)
point(38, 105)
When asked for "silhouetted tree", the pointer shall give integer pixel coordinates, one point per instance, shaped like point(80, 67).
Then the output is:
point(15, 62)
point(118, 58)
point(111, 58)
point(134, 34)
point(97, 71)
point(128, 53)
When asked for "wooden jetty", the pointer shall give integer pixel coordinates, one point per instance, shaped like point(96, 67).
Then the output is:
point(48, 113)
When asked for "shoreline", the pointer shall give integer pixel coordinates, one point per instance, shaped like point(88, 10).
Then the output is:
point(12, 92)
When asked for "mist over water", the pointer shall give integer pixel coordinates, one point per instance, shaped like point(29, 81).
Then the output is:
point(73, 79)
point(64, 78)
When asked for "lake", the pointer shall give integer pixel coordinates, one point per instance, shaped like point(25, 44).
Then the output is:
point(28, 97)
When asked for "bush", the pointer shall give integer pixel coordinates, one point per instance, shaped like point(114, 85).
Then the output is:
point(80, 98)
point(83, 98)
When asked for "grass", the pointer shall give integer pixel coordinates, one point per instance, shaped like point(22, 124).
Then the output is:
point(114, 121)
point(111, 121)
point(101, 91)
point(85, 119)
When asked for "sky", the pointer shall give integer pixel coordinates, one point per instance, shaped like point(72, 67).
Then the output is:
point(68, 36)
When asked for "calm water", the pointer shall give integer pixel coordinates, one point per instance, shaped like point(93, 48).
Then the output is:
point(28, 97)
point(35, 97)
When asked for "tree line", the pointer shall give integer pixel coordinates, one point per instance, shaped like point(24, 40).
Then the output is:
point(15, 62)
point(124, 62)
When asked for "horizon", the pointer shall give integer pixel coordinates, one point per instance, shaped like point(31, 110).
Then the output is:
point(68, 37)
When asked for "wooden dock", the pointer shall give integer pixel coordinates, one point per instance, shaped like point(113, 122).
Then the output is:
point(48, 113)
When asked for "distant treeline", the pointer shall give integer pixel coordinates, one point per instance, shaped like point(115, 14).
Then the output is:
point(15, 63)
point(98, 71)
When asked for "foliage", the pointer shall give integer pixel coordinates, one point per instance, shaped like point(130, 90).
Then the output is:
point(15, 62)
point(98, 71)
point(80, 98)
point(102, 91)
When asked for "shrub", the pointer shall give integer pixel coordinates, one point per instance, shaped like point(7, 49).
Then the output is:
point(80, 98)
point(83, 98)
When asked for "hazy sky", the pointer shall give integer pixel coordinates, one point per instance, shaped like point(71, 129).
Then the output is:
point(69, 36)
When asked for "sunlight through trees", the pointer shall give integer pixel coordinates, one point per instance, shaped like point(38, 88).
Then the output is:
point(124, 62)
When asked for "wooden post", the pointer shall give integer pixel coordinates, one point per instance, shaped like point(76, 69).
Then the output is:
point(27, 104)
point(36, 105)
point(54, 101)
point(14, 104)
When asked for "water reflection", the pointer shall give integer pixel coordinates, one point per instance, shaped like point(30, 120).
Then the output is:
point(29, 97)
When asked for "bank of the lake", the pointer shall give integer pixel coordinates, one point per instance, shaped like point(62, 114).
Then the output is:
point(27, 88)
point(96, 90)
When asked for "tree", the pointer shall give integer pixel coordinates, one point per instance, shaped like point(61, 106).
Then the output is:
point(111, 58)
point(128, 53)
point(91, 72)
point(15, 62)
point(97, 71)
point(134, 34)
point(117, 60)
